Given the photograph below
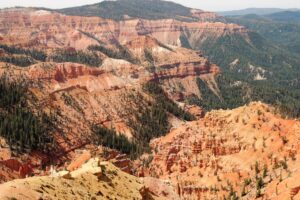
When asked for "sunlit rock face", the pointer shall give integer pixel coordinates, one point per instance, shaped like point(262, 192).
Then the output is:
point(230, 149)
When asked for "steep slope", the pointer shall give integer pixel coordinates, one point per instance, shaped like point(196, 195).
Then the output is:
point(245, 56)
point(249, 152)
point(271, 64)
point(133, 77)
point(29, 27)
point(283, 32)
point(248, 47)
point(111, 94)
point(82, 96)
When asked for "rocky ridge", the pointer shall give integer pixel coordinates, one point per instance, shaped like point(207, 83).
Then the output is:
point(248, 152)
point(94, 179)
point(47, 29)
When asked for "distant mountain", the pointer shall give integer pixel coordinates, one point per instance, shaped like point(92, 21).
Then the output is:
point(118, 10)
point(282, 29)
point(287, 16)
point(256, 11)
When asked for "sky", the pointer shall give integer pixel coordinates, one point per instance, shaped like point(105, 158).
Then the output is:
point(210, 5)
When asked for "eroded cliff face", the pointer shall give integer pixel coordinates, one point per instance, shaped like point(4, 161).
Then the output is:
point(29, 27)
point(205, 16)
point(249, 151)
point(81, 96)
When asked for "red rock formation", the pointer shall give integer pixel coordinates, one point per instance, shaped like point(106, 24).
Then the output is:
point(205, 16)
point(94, 93)
point(120, 160)
point(13, 164)
point(52, 30)
point(17, 167)
point(25, 170)
point(203, 159)
point(294, 191)
point(79, 161)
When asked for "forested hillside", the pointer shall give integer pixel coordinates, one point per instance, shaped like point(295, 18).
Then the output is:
point(155, 9)
point(266, 64)
point(285, 33)
point(286, 16)
point(24, 57)
point(23, 129)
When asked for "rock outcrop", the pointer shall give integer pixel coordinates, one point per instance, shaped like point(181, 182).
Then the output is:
point(94, 180)
point(230, 151)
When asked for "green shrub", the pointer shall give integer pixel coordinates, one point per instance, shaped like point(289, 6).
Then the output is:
point(165, 103)
point(121, 52)
point(75, 56)
point(109, 138)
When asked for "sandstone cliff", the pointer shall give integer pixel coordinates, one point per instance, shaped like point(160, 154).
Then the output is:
point(47, 29)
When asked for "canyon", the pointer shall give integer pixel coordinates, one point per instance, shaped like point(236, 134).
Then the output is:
point(250, 152)
point(48, 30)
point(80, 95)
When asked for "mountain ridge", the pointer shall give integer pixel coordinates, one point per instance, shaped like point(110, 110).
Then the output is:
point(123, 9)
point(257, 11)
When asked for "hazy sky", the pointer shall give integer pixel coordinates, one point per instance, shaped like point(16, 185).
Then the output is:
point(212, 5)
